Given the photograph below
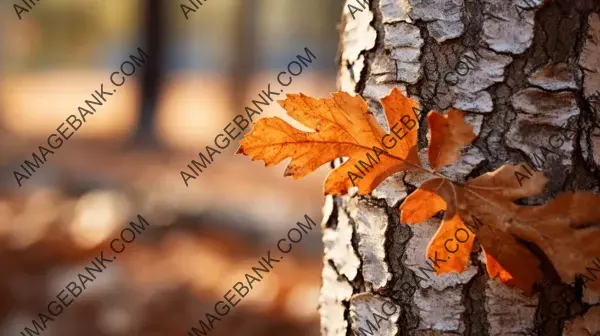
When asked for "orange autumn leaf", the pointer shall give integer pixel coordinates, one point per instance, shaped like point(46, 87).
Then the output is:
point(448, 134)
point(495, 270)
point(509, 260)
point(486, 206)
point(424, 202)
point(565, 229)
point(343, 127)
point(451, 255)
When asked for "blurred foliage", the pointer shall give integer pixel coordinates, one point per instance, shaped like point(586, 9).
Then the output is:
point(78, 34)
point(83, 28)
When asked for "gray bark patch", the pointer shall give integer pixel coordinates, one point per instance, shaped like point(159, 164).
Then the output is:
point(508, 25)
point(332, 310)
point(373, 315)
point(474, 73)
point(338, 247)
point(371, 225)
point(403, 39)
point(392, 189)
point(440, 311)
point(509, 312)
point(556, 77)
point(444, 18)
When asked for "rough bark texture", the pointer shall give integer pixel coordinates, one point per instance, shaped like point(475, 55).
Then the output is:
point(520, 70)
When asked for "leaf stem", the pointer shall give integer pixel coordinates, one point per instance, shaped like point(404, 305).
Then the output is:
point(425, 170)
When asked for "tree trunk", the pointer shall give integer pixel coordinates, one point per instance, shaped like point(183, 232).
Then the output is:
point(243, 66)
point(521, 70)
point(154, 34)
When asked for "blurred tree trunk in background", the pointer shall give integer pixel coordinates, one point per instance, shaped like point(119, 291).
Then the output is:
point(154, 32)
point(244, 58)
point(533, 66)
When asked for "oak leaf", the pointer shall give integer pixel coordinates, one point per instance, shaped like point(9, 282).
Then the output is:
point(343, 127)
point(565, 229)
point(448, 134)
point(485, 207)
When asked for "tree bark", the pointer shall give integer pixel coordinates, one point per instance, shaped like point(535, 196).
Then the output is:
point(521, 70)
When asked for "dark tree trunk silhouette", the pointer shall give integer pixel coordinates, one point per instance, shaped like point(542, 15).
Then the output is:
point(154, 33)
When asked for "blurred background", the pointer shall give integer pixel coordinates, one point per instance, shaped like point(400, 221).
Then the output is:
point(126, 159)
